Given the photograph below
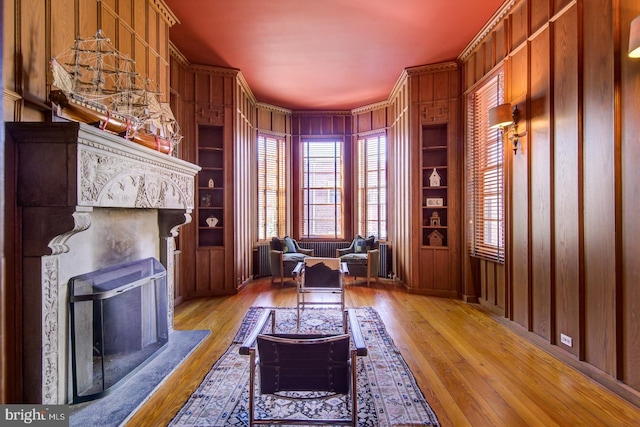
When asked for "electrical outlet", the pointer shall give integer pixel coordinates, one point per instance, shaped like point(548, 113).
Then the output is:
point(566, 340)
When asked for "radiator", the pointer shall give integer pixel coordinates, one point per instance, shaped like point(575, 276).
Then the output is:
point(320, 249)
point(262, 262)
point(324, 249)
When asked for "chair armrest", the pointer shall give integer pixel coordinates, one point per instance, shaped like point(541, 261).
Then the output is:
point(298, 270)
point(356, 333)
point(250, 340)
point(305, 251)
point(344, 251)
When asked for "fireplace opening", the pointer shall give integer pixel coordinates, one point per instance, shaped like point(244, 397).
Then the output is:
point(118, 323)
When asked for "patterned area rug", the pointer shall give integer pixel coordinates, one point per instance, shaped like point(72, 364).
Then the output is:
point(387, 392)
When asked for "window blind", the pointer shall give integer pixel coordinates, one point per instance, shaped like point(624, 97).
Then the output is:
point(372, 186)
point(271, 187)
point(485, 172)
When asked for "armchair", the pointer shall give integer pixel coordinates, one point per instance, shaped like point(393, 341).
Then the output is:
point(284, 255)
point(304, 363)
point(362, 258)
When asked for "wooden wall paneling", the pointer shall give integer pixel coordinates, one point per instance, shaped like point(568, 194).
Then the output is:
point(9, 55)
point(280, 122)
point(426, 272)
point(87, 18)
point(599, 187)
point(629, 306)
point(364, 122)
point(479, 63)
point(379, 118)
point(469, 71)
point(500, 42)
point(140, 51)
point(316, 124)
point(518, 199)
point(518, 24)
point(424, 89)
point(109, 26)
point(441, 86)
point(540, 151)
point(539, 10)
point(264, 121)
point(330, 126)
point(34, 55)
point(489, 52)
point(63, 26)
point(456, 187)
point(112, 4)
point(140, 17)
point(153, 21)
point(413, 206)
point(126, 39)
point(558, 5)
point(125, 11)
point(567, 180)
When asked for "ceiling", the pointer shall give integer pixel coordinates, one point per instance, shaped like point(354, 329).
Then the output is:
point(325, 54)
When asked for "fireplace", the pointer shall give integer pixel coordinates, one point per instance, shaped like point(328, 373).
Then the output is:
point(90, 201)
point(118, 324)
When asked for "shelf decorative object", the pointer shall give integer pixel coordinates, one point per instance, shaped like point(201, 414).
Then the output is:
point(435, 238)
point(212, 221)
point(434, 179)
point(434, 219)
point(434, 201)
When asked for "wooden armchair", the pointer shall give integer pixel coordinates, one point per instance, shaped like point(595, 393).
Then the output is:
point(284, 256)
point(362, 257)
point(304, 363)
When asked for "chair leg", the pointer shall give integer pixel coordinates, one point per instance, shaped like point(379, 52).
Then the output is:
point(252, 380)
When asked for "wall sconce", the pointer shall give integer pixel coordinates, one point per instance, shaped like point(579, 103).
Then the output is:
point(506, 119)
point(634, 38)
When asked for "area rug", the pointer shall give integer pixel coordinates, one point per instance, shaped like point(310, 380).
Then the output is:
point(387, 391)
point(118, 406)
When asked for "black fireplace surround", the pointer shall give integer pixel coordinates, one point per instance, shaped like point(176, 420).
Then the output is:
point(118, 323)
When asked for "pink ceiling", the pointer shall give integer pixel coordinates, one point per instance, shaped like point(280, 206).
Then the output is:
point(325, 54)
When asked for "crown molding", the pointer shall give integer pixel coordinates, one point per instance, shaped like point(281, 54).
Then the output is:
point(245, 86)
point(164, 10)
point(489, 26)
point(273, 108)
point(431, 68)
point(371, 107)
point(229, 72)
point(322, 113)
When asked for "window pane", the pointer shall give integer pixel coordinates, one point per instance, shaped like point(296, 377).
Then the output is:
point(322, 189)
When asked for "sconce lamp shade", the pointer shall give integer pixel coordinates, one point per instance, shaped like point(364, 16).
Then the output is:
point(634, 38)
point(500, 116)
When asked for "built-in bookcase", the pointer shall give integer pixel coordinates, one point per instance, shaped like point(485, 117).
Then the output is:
point(211, 184)
point(435, 174)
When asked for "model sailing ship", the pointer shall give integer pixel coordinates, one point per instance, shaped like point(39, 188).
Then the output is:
point(96, 84)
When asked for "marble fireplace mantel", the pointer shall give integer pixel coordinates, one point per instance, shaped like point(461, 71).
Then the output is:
point(88, 199)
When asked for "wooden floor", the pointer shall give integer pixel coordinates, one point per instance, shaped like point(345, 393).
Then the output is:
point(472, 370)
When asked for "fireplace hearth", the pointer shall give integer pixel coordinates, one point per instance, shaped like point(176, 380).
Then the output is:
point(88, 201)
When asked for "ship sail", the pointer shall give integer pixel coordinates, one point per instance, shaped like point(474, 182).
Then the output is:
point(98, 85)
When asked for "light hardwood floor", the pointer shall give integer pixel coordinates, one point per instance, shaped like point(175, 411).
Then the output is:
point(472, 370)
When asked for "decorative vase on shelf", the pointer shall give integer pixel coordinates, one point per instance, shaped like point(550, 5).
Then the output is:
point(212, 221)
